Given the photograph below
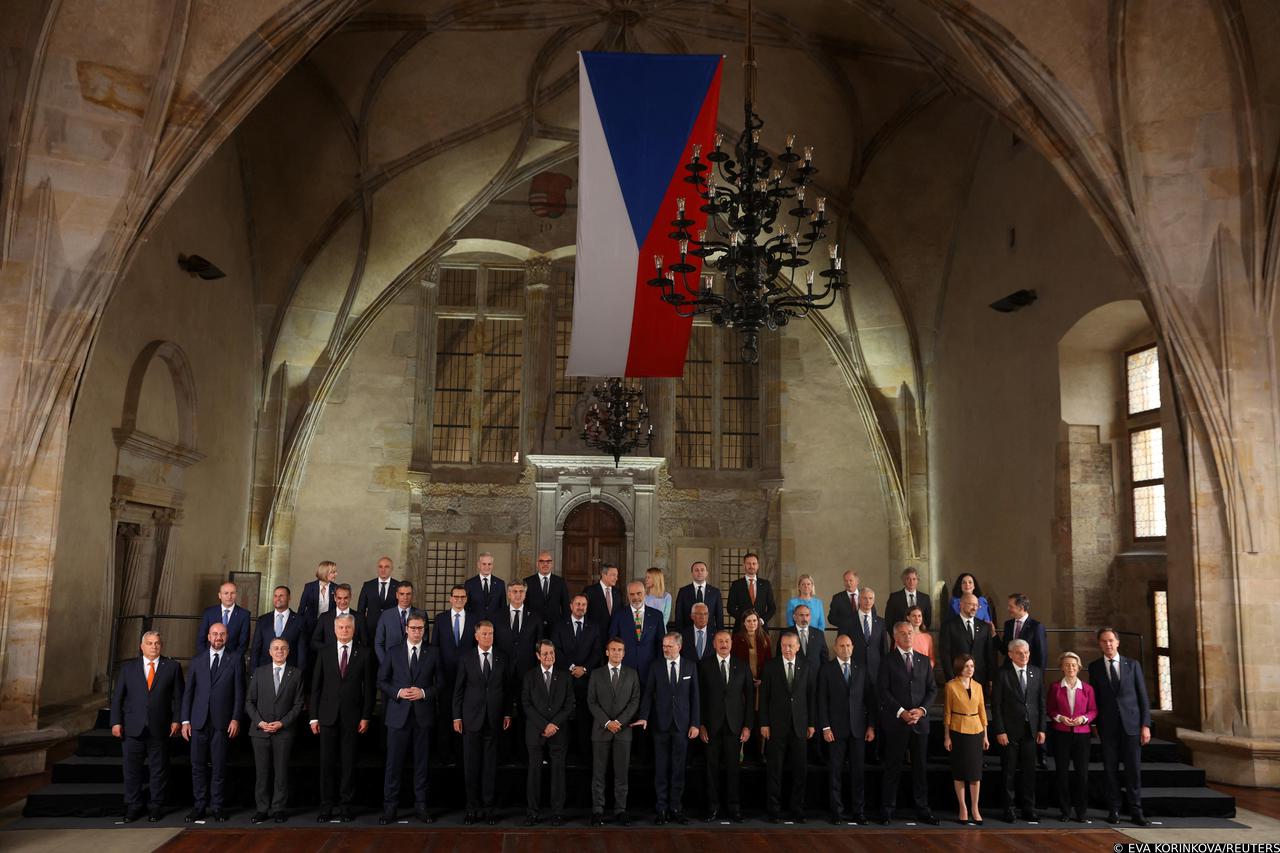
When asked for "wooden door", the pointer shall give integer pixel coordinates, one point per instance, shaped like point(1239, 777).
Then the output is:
point(594, 534)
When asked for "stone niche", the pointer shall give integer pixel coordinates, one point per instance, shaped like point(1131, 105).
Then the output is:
point(563, 483)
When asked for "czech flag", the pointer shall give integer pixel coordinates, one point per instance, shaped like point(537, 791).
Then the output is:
point(641, 115)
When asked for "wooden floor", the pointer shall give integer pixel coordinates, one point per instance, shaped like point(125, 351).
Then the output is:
point(1264, 801)
point(643, 840)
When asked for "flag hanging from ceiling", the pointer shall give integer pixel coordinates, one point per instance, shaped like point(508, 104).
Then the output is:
point(641, 115)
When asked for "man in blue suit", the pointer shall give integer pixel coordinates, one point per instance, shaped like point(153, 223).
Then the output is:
point(280, 623)
point(1124, 723)
point(146, 706)
point(641, 629)
point(393, 625)
point(672, 713)
point(486, 594)
point(698, 592)
point(697, 641)
point(905, 689)
point(228, 613)
point(211, 709)
point(452, 635)
point(409, 679)
point(1020, 626)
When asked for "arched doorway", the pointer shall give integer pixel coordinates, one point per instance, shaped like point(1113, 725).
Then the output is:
point(594, 534)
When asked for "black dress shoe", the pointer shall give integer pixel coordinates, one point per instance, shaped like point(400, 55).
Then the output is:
point(531, 819)
point(1009, 816)
point(324, 817)
point(346, 816)
point(838, 819)
point(154, 816)
point(677, 817)
point(713, 816)
point(1140, 820)
point(1031, 817)
point(423, 815)
point(623, 819)
point(469, 818)
point(385, 819)
point(1113, 817)
point(195, 815)
point(1081, 817)
point(736, 816)
point(660, 818)
point(132, 815)
point(258, 817)
point(557, 820)
point(929, 818)
point(860, 819)
point(798, 817)
point(220, 815)
point(597, 819)
point(491, 818)
point(280, 817)
point(885, 818)
point(1064, 817)
point(773, 818)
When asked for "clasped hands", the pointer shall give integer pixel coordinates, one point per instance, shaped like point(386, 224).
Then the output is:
point(912, 716)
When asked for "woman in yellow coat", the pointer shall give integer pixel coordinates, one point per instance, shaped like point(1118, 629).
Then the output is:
point(964, 734)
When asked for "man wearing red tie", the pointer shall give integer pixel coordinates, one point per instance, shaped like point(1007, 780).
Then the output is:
point(751, 592)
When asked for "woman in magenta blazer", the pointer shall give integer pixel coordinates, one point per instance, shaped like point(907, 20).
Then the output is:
point(1071, 709)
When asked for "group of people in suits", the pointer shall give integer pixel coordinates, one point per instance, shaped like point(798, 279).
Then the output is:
point(522, 664)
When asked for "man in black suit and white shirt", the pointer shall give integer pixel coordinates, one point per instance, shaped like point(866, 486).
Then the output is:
point(409, 679)
point(905, 688)
point(1018, 724)
point(283, 623)
point(323, 635)
point(579, 649)
point(235, 617)
point(698, 592)
point(969, 635)
point(546, 699)
point(751, 592)
point(671, 712)
point(1124, 723)
point(146, 708)
point(342, 701)
point(273, 702)
point(483, 707)
point(547, 593)
point(486, 593)
point(902, 600)
point(378, 593)
point(786, 724)
point(728, 696)
point(846, 717)
point(603, 599)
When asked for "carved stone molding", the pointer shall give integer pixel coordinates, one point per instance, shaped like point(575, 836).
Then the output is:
point(143, 444)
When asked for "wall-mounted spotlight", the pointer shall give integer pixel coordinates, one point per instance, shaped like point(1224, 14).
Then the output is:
point(1014, 301)
point(199, 267)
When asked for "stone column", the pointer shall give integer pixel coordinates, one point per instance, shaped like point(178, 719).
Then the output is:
point(424, 377)
point(539, 361)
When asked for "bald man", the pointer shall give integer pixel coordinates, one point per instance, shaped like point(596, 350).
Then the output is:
point(230, 614)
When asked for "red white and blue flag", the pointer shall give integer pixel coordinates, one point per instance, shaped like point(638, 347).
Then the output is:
point(641, 115)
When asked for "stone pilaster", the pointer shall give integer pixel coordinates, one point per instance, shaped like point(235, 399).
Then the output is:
point(539, 349)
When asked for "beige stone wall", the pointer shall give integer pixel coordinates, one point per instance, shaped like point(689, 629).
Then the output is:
point(212, 322)
point(994, 406)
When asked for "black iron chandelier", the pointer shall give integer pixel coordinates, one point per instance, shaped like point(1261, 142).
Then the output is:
point(618, 422)
point(757, 255)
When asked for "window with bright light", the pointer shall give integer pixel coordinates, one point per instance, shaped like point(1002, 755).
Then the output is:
point(1164, 677)
point(1142, 370)
point(1146, 444)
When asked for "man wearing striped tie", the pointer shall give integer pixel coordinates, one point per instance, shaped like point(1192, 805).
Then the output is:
point(146, 708)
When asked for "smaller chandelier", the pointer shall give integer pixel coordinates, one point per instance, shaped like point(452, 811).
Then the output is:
point(618, 422)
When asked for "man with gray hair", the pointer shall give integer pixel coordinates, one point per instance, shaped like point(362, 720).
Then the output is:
point(1018, 724)
point(670, 702)
point(146, 709)
point(486, 593)
point(341, 706)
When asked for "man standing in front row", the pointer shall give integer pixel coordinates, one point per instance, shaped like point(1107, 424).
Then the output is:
point(546, 697)
point(786, 724)
point(1124, 723)
point(670, 710)
point(274, 704)
point(211, 709)
point(146, 707)
point(905, 687)
point(846, 716)
point(1017, 724)
point(613, 696)
point(409, 679)
point(482, 709)
point(342, 704)
point(728, 696)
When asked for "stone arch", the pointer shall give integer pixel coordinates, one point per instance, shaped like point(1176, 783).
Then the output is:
point(628, 518)
point(184, 390)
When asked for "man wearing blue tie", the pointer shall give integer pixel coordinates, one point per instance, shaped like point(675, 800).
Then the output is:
point(278, 623)
point(670, 702)
point(697, 640)
point(211, 709)
point(230, 614)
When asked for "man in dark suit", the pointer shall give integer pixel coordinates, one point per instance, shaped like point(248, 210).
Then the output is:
point(846, 716)
point(844, 606)
point(317, 595)
point(698, 592)
point(579, 649)
point(393, 625)
point(728, 696)
point(283, 623)
point(409, 680)
point(613, 696)
point(274, 704)
point(146, 707)
point(641, 628)
point(905, 689)
point(230, 614)
point(211, 707)
point(751, 592)
point(813, 645)
point(696, 640)
point(671, 712)
point(342, 701)
point(517, 630)
point(969, 635)
point(1018, 724)
point(786, 724)
point(1124, 723)
point(1020, 626)
point(378, 593)
point(546, 698)
point(547, 593)
point(454, 635)
point(902, 600)
point(322, 636)
point(486, 594)
point(603, 598)
point(870, 634)
point(483, 706)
